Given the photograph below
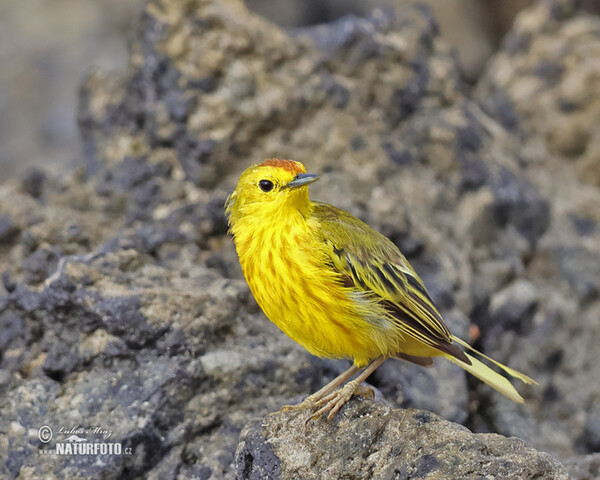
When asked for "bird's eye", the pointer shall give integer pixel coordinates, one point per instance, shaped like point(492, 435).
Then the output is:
point(266, 185)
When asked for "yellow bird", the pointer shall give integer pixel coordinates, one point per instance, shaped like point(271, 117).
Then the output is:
point(336, 286)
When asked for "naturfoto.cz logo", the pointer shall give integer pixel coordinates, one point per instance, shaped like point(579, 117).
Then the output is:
point(76, 444)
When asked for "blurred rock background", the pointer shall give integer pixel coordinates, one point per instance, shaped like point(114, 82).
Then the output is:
point(46, 47)
point(121, 299)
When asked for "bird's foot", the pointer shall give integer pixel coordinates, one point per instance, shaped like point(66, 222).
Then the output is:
point(336, 400)
point(308, 402)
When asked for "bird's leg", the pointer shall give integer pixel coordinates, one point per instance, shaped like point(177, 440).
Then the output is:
point(334, 401)
point(312, 400)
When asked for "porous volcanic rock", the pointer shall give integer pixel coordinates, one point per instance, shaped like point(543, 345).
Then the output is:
point(368, 440)
point(123, 304)
point(546, 75)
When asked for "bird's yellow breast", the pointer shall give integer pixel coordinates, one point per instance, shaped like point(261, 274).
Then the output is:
point(287, 273)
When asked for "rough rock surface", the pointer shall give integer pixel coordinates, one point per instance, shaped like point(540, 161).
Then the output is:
point(123, 304)
point(372, 441)
point(547, 76)
point(45, 49)
point(586, 467)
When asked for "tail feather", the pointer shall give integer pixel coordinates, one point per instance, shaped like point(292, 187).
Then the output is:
point(487, 375)
point(510, 371)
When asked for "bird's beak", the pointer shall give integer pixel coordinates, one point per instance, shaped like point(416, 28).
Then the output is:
point(302, 179)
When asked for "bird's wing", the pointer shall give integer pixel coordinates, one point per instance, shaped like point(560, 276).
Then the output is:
point(370, 262)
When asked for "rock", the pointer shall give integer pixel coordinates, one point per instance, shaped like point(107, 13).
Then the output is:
point(512, 308)
point(585, 467)
point(545, 76)
point(123, 301)
point(8, 231)
point(546, 80)
point(146, 367)
point(441, 389)
point(580, 267)
point(33, 183)
point(590, 438)
point(39, 86)
point(367, 440)
point(12, 330)
point(39, 265)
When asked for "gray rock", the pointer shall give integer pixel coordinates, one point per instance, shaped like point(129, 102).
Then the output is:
point(33, 183)
point(151, 368)
point(441, 389)
point(8, 231)
point(565, 102)
point(368, 440)
point(512, 308)
point(543, 79)
point(123, 301)
point(584, 467)
point(38, 100)
point(580, 267)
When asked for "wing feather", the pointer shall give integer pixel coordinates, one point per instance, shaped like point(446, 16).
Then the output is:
point(373, 264)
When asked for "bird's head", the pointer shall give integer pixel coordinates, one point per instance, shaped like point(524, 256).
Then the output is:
point(273, 186)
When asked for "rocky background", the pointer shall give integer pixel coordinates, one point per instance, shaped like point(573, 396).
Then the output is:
point(122, 304)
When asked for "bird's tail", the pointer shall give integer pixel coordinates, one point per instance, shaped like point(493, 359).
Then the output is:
point(489, 376)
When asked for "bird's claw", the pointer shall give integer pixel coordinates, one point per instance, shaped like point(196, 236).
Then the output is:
point(300, 406)
point(336, 400)
point(308, 402)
